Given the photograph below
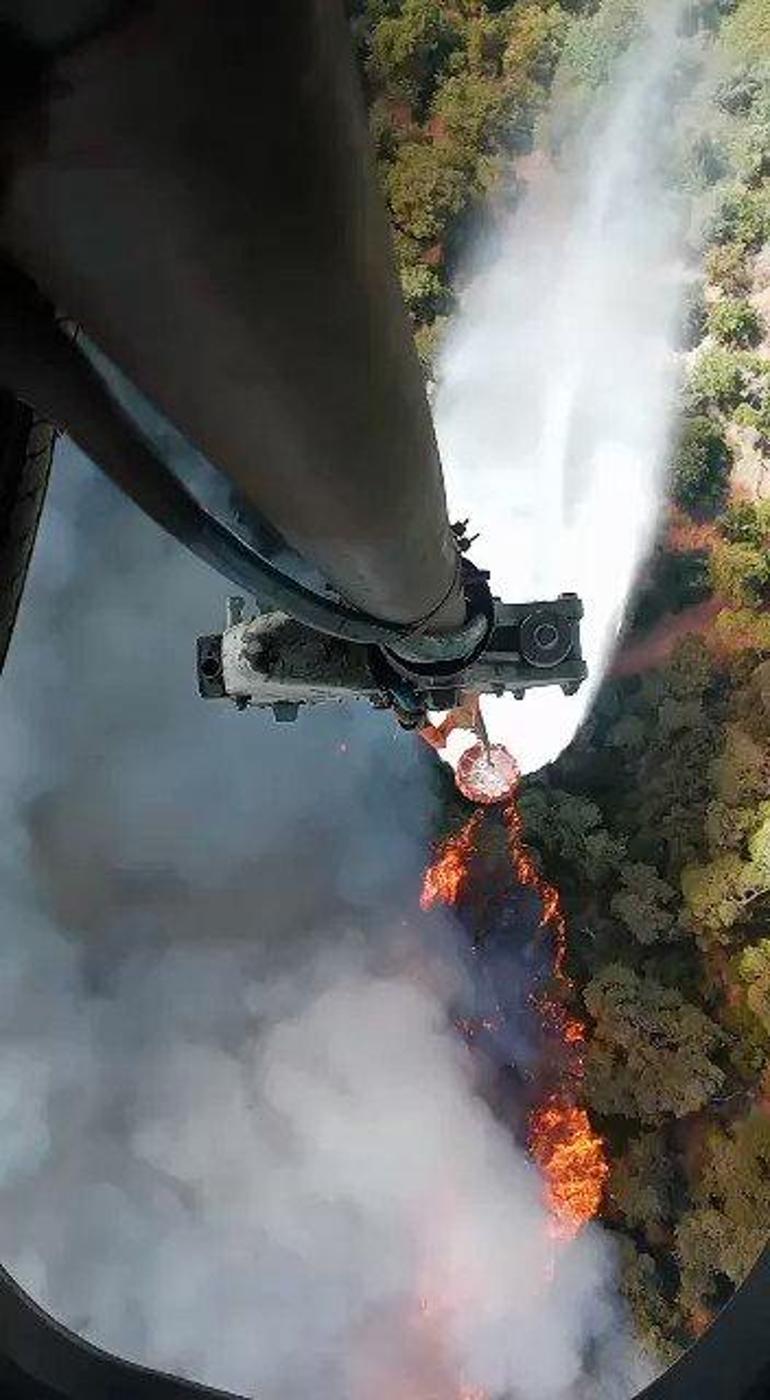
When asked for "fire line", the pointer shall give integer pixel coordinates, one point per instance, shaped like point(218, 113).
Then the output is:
point(568, 1151)
point(447, 877)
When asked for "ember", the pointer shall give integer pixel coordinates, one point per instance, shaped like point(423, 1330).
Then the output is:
point(487, 774)
point(527, 873)
point(446, 878)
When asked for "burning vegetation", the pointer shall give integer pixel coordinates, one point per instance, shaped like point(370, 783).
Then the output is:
point(447, 876)
point(571, 1157)
point(657, 819)
point(569, 1153)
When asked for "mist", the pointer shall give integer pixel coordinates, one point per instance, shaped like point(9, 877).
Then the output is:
point(555, 390)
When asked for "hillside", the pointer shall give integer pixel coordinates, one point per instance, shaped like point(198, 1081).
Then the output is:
point(656, 822)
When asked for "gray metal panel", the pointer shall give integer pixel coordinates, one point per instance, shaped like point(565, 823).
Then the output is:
point(39, 1360)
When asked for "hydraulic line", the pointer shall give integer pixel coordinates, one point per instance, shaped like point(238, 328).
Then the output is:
point(40, 363)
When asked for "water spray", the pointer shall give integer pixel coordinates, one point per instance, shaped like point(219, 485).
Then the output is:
point(554, 389)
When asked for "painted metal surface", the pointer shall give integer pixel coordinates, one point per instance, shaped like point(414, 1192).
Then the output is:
point(198, 194)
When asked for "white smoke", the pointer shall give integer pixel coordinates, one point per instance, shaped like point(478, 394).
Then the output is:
point(239, 1139)
point(554, 394)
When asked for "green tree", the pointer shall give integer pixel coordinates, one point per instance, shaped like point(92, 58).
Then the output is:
point(570, 829)
point(676, 717)
point(673, 581)
point(704, 163)
point(384, 131)
point(656, 1320)
point(746, 416)
point(645, 904)
point(753, 967)
point(734, 321)
point(470, 113)
point(702, 1240)
point(746, 32)
point(650, 1055)
point(743, 628)
point(726, 1231)
point(424, 292)
point(629, 734)
point(740, 573)
point(595, 42)
point(742, 770)
point(752, 156)
point(425, 191)
point(701, 466)
point(708, 14)
point(727, 826)
point(751, 703)
point(737, 93)
point(534, 40)
point(641, 1183)
point(759, 841)
point(727, 266)
point(719, 893)
point(534, 43)
point(411, 49)
point(672, 783)
point(747, 522)
point(716, 380)
point(756, 389)
point(694, 316)
point(743, 217)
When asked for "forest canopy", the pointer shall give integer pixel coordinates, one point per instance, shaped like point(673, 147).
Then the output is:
point(656, 822)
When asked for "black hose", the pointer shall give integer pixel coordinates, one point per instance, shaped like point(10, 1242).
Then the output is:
point(41, 365)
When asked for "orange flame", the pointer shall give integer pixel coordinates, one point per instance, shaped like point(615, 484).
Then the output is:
point(445, 879)
point(568, 1151)
point(527, 873)
point(571, 1157)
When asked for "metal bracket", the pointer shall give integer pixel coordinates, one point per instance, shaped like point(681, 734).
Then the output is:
point(273, 661)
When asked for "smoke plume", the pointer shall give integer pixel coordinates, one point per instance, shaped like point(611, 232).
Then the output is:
point(554, 393)
point(240, 1139)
